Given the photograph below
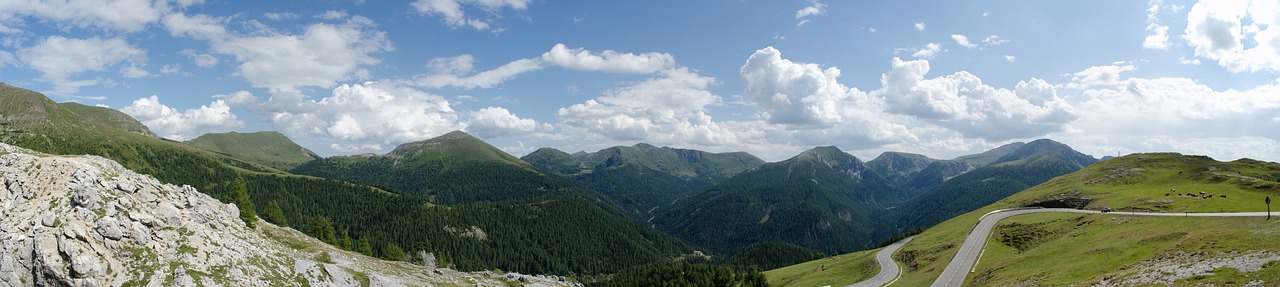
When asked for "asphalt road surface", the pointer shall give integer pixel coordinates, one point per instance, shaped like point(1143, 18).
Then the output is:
point(889, 270)
point(962, 264)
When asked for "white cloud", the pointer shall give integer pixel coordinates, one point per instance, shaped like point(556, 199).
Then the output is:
point(608, 61)
point(321, 56)
point(201, 60)
point(670, 109)
point(354, 148)
point(452, 12)
point(963, 41)
point(1158, 37)
point(457, 71)
point(928, 51)
point(332, 15)
point(1099, 76)
point(994, 40)
point(119, 15)
point(961, 102)
point(1218, 30)
point(356, 114)
point(1010, 58)
point(170, 69)
point(1178, 114)
point(919, 26)
point(182, 125)
point(280, 16)
point(134, 72)
point(454, 72)
point(793, 93)
point(59, 59)
point(496, 122)
point(816, 9)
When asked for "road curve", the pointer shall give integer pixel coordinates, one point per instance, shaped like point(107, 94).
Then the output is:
point(889, 270)
point(962, 264)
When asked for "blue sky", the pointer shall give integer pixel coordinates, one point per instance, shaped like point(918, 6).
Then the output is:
point(940, 78)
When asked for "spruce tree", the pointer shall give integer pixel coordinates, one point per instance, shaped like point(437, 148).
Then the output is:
point(240, 196)
point(274, 214)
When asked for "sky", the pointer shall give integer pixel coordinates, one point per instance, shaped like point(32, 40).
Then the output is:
point(773, 78)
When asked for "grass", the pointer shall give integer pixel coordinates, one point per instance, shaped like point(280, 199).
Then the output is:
point(834, 271)
point(1085, 249)
point(1246, 183)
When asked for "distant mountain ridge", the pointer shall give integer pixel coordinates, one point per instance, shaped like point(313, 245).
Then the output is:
point(643, 177)
point(820, 199)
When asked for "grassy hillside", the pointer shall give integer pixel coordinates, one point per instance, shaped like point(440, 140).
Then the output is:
point(830, 271)
point(1133, 182)
point(110, 117)
point(1090, 249)
point(267, 148)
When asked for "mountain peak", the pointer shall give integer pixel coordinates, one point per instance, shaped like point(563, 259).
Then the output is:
point(1042, 148)
point(455, 145)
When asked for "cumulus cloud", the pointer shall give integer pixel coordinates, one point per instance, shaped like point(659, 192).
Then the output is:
point(1010, 58)
point(961, 102)
point(793, 93)
point(919, 26)
point(182, 125)
point(1241, 35)
point(667, 110)
point(359, 114)
point(963, 41)
point(453, 14)
point(816, 9)
point(607, 61)
point(59, 59)
point(496, 122)
point(320, 56)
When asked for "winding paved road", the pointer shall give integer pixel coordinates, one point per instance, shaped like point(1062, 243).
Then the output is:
point(962, 264)
point(889, 269)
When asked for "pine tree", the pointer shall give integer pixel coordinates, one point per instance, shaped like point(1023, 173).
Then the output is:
point(274, 214)
point(240, 196)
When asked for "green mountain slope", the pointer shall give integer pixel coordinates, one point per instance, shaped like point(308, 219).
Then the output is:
point(1027, 166)
point(1105, 246)
point(643, 177)
point(267, 148)
point(546, 218)
point(988, 157)
point(559, 235)
point(821, 199)
point(110, 117)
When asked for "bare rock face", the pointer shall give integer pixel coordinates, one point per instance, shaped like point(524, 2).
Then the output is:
point(87, 221)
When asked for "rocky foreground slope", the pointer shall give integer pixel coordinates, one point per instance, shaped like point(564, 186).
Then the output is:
point(88, 221)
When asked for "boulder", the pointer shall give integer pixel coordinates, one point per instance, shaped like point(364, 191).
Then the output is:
point(109, 227)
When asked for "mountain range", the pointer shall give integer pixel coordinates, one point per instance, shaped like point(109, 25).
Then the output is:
point(477, 207)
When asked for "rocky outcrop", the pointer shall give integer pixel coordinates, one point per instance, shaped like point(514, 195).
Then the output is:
point(87, 221)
